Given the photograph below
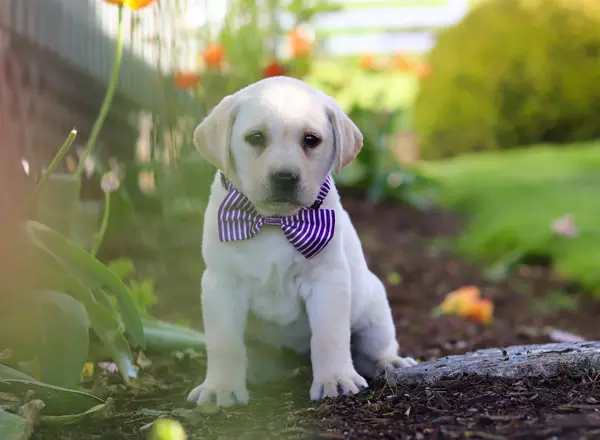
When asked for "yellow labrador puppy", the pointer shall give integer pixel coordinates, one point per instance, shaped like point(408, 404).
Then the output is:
point(280, 249)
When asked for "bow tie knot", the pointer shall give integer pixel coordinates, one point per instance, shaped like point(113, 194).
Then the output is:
point(309, 231)
point(272, 220)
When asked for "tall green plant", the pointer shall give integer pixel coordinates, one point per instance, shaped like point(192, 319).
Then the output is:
point(68, 290)
point(108, 97)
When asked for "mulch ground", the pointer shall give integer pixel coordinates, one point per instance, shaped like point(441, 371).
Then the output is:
point(411, 252)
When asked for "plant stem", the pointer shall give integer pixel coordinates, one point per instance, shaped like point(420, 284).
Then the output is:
point(61, 153)
point(110, 92)
point(100, 236)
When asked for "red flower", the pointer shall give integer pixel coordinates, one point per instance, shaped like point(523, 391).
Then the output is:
point(213, 55)
point(186, 80)
point(273, 69)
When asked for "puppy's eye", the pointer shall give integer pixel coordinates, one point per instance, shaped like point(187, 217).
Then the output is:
point(311, 141)
point(256, 139)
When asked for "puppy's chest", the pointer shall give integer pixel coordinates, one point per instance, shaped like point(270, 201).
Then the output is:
point(276, 282)
point(276, 297)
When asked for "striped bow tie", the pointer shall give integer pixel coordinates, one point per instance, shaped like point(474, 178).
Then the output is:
point(309, 231)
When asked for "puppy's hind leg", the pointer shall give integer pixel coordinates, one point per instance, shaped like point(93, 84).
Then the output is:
point(374, 344)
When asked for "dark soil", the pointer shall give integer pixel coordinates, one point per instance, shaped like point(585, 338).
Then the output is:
point(562, 407)
point(410, 251)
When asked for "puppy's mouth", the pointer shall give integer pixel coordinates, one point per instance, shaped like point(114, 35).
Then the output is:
point(281, 205)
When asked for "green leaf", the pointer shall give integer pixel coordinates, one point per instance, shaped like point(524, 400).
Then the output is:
point(58, 400)
point(88, 271)
point(62, 318)
point(10, 373)
point(122, 267)
point(106, 324)
point(106, 327)
point(163, 336)
point(143, 294)
point(50, 275)
point(68, 419)
point(500, 270)
point(119, 351)
point(55, 202)
point(12, 427)
point(37, 327)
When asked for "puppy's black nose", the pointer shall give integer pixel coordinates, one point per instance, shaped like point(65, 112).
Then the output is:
point(285, 180)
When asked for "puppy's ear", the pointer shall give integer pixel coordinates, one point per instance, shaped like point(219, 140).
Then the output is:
point(348, 138)
point(213, 135)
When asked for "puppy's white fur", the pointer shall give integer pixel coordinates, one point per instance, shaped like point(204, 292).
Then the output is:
point(332, 305)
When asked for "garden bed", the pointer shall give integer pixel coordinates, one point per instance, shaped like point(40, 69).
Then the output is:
point(409, 250)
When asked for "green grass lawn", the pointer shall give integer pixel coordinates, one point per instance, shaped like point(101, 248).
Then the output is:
point(510, 200)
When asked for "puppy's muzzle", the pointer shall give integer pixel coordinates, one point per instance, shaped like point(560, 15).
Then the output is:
point(284, 184)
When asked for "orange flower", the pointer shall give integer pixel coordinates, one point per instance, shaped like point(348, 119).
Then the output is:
point(367, 62)
point(300, 43)
point(467, 303)
point(273, 69)
point(482, 311)
point(422, 71)
point(459, 301)
point(186, 80)
point(132, 4)
point(213, 55)
point(402, 63)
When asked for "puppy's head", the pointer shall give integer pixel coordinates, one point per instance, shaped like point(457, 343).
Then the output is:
point(276, 140)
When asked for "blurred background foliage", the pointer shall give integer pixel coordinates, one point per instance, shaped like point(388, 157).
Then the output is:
point(531, 79)
point(168, 177)
point(477, 119)
point(515, 75)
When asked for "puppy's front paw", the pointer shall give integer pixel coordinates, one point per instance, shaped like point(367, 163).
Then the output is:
point(334, 385)
point(223, 393)
point(384, 365)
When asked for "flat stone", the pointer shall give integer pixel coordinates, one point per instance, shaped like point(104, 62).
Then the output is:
point(515, 362)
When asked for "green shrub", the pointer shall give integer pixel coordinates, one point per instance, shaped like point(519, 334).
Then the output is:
point(513, 73)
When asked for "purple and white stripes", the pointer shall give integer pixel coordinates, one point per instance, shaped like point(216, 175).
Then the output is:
point(309, 231)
